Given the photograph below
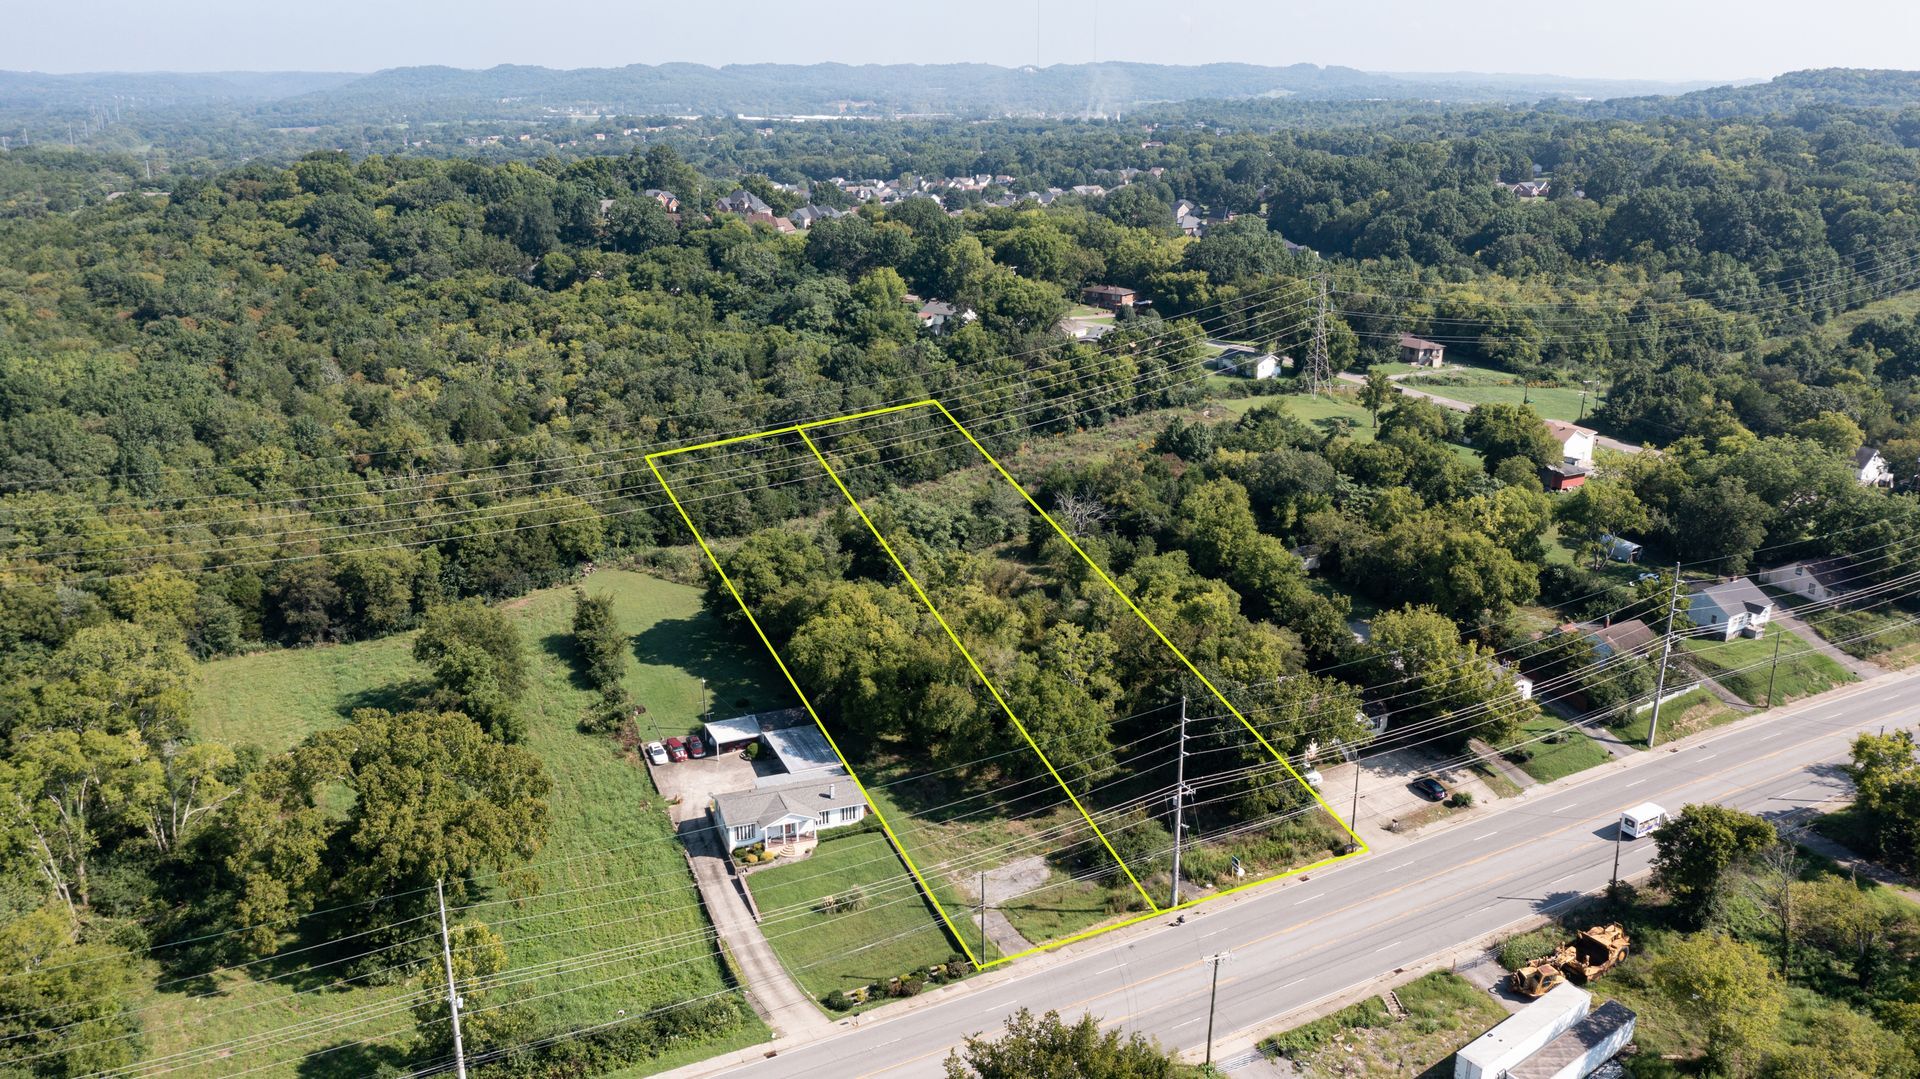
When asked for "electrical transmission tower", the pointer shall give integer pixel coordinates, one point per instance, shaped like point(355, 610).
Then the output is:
point(1319, 371)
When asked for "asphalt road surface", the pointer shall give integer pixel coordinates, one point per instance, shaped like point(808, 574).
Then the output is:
point(1300, 942)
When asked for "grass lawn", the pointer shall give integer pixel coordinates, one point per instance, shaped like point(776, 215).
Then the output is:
point(893, 933)
point(1482, 385)
point(1444, 1013)
point(1559, 753)
point(1696, 711)
point(1885, 637)
point(1744, 664)
point(613, 867)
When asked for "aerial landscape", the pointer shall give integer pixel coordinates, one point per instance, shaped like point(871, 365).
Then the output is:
point(1032, 542)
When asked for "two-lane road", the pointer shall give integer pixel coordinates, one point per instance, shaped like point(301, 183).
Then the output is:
point(1302, 941)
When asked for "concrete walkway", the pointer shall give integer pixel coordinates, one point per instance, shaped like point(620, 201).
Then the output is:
point(1591, 727)
point(1859, 668)
point(770, 989)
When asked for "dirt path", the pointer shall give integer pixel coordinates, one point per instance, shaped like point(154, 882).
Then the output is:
point(1860, 668)
point(1465, 406)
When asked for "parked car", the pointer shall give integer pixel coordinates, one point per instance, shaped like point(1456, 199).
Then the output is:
point(696, 747)
point(1430, 788)
point(1313, 777)
point(676, 749)
point(656, 753)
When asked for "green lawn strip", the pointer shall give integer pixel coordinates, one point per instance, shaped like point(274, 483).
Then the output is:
point(1686, 714)
point(1444, 1013)
point(610, 828)
point(1743, 666)
point(891, 934)
point(1552, 751)
point(1883, 636)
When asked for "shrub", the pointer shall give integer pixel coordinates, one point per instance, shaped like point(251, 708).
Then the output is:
point(753, 751)
point(1205, 865)
point(1460, 799)
point(1295, 1043)
point(839, 1001)
point(958, 967)
point(1527, 947)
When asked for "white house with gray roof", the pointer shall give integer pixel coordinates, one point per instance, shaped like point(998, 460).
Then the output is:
point(788, 812)
point(1730, 608)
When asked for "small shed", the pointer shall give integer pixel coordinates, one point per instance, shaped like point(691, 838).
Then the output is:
point(1621, 550)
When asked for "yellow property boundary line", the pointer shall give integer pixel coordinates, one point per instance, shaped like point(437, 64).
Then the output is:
point(801, 429)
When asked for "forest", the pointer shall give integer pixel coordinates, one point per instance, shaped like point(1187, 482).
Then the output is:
point(317, 398)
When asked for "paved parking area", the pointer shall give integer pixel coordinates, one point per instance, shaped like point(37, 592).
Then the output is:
point(695, 782)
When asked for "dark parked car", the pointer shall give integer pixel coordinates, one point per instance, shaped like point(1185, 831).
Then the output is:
point(676, 749)
point(696, 747)
point(1430, 788)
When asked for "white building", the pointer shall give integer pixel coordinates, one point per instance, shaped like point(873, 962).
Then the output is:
point(1730, 608)
point(1871, 469)
point(1814, 578)
point(774, 815)
point(1576, 443)
point(1250, 364)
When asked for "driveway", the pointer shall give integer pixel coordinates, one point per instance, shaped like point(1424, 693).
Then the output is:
point(770, 989)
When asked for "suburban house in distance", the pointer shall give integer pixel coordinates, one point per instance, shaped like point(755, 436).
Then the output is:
point(1250, 364)
point(937, 317)
point(1621, 638)
point(1421, 352)
point(1815, 578)
point(1871, 467)
point(1730, 608)
point(786, 815)
point(1576, 443)
point(1111, 297)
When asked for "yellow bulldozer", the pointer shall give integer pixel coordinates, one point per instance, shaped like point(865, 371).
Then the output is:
point(1594, 951)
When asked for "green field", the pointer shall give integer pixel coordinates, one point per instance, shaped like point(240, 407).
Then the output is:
point(1744, 664)
point(612, 872)
point(1482, 386)
point(1551, 751)
point(1884, 635)
point(893, 933)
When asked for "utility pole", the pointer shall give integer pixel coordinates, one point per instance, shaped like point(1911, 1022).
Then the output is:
point(1586, 384)
point(1666, 650)
point(1179, 800)
point(453, 991)
point(1619, 833)
point(1213, 998)
point(983, 914)
point(1353, 819)
point(1775, 669)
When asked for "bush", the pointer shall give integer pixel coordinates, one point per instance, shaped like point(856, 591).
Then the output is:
point(1205, 865)
point(1460, 799)
point(753, 751)
point(1527, 947)
point(839, 1001)
point(1296, 1043)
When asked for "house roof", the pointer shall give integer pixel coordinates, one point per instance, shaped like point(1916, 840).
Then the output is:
point(1566, 471)
point(1408, 340)
point(1561, 430)
point(765, 806)
point(1738, 594)
point(1834, 573)
point(1864, 456)
point(737, 729)
point(804, 751)
point(1628, 636)
point(1108, 290)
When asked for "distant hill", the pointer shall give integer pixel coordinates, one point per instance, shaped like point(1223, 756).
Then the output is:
point(523, 92)
point(1831, 87)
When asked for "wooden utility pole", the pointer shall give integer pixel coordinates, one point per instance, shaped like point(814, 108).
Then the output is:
point(1774, 670)
point(1213, 997)
point(1179, 800)
point(983, 914)
point(453, 991)
point(1666, 650)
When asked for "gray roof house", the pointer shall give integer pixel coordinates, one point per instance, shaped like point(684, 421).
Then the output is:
point(744, 202)
point(787, 813)
point(1729, 608)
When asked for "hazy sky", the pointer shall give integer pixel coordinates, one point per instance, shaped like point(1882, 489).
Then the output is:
point(1671, 39)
